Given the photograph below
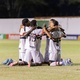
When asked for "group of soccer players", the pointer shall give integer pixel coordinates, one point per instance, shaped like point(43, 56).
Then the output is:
point(30, 43)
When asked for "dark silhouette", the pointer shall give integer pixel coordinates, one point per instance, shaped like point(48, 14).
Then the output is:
point(38, 8)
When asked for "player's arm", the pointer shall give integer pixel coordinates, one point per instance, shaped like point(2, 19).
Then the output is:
point(21, 26)
point(63, 31)
point(27, 33)
point(21, 30)
point(49, 29)
point(46, 31)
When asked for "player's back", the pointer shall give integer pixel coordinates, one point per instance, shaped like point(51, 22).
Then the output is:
point(37, 31)
point(35, 39)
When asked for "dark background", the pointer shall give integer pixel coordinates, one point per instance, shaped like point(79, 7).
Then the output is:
point(38, 8)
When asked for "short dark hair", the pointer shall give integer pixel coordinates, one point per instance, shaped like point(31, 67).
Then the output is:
point(55, 22)
point(25, 22)
point(33, 23)
point(39, 27)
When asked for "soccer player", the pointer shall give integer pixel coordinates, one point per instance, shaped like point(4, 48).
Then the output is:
point(46, 58)
point(22, 30)
point(33, 51)
point(55, 34)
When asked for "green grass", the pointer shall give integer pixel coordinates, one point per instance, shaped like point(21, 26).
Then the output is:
point(70, 49)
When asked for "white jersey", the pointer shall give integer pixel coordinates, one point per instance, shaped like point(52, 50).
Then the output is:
point(32, 52)
point(35, 37)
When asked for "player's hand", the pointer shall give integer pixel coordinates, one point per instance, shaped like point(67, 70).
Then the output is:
point(25, 34)
point(44, 25)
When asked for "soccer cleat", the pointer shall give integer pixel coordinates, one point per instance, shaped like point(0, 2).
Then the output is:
point(9, 62)
point(5, 62)
point(68, 62)
point(62, 62)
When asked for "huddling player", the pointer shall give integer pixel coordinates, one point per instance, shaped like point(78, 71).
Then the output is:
point(55, 33)
point(22, 41)
point(33, 50)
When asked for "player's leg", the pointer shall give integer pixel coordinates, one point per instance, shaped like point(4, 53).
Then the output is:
point(58, 56)
point(52, 52)
point(20, 58)
point(28, 57)
point(22, 49)
point(38, 46)
point(41, 57)
point(36, 57)
point(58, 52)
point(46, 58)
point(13, 64)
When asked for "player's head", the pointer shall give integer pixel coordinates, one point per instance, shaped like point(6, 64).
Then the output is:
point(33, 23)
point(25, 22)
point(53, 23)
point(39, 27)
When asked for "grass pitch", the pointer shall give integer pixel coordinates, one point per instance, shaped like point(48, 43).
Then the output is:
point(70, 49)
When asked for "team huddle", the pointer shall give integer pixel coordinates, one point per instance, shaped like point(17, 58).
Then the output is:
point(30, 44)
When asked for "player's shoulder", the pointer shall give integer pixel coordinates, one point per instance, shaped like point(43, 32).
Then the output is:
point(21, 26)
point(27, 28)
